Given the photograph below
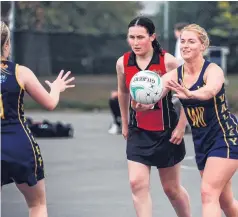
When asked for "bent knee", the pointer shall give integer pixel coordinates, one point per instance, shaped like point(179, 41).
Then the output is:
point(172, 191)
point(209, 193)
point(36, 202)
point(138, 184)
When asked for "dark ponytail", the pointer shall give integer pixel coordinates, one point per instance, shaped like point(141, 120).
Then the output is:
point(157, 47)
point(150, 27)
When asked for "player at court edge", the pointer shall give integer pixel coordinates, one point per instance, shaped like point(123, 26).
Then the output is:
point(21, 159)
point(154, 135)
point(200, 86)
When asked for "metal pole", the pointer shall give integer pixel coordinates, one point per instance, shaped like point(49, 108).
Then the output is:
point(12, 28)
point(166, 24)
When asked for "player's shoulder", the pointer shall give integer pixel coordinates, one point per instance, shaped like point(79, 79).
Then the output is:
point(24, 69)
point(120, 61)
point(213, 66)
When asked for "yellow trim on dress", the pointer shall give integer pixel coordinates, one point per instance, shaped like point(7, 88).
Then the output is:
point(224, 134)
point(19, 117)
point(19, 83)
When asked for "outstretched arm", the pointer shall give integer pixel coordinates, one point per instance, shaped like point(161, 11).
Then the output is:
point(31, 84)
point(172, 64)
point(214, 79)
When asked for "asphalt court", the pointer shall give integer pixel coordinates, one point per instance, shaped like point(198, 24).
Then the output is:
point(86, 176)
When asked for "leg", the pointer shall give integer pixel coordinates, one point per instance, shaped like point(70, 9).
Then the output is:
point(216, 175)
point(115, 127)
point(35, 197)
point(178, 196)
point(115, 109)
point(227, 201)
point(139, 176)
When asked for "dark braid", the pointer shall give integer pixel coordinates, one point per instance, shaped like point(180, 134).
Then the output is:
point(157, 47)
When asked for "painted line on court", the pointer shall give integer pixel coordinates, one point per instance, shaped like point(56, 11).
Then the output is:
point(189, 167)
point(189, 158)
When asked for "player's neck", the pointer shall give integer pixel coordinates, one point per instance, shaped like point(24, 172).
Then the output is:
point(146, 56)
point(195, 66)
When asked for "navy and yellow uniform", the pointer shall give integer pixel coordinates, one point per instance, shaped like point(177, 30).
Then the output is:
point(21, 158)
point(150, 131)
point(214, 128)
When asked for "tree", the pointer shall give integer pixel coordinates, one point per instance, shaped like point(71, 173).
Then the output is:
point(227, 21)
point(82, 17)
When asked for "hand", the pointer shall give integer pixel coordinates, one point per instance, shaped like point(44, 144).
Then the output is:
point(181, 91)
point(125, 131)
point(177, 135)
point(141, 107)
point(61, 82)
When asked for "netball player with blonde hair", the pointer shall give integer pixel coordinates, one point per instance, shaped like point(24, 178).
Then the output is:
point(21, 159)
point(200, 86)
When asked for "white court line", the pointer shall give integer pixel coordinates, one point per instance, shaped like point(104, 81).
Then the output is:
point(189, 158)
point(189, 167)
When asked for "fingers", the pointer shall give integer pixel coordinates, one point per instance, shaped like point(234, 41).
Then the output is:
point(174, 84)
point(66, 75)
point(69, 86)
point(175, 140)
point(133, 104)
point(181, 82)
point(125, 137)
point(60, 74)
point(138, 105)
point(48, 83)
point(173, 88)
point(69, 80)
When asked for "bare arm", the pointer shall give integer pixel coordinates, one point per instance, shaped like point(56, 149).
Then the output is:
point(171, 65)
point(34, 88)
point(123, 92)
point(214, 79)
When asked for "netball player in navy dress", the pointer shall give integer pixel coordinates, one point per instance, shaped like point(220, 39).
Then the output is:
point(200, 86)
point(21, 159)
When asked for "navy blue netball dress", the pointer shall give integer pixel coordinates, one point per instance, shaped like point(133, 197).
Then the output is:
point(21, 158)
point(214, 128)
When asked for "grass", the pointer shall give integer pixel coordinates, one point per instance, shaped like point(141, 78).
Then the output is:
point(92, 92)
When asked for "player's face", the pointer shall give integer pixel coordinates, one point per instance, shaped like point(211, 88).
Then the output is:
point(139, 40)
point(190, 46)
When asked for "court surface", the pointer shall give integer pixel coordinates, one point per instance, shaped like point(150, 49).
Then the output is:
point(87, 175)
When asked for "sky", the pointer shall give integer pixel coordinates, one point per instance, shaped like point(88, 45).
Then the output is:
point(151, 7)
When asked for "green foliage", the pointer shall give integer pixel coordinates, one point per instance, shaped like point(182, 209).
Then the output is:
point(227, 20)
point(76, 16)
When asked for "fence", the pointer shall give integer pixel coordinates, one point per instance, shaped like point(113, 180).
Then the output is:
point(48, 53)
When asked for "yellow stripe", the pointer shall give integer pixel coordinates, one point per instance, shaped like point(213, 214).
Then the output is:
point(183, 76)
point(19, 117)
point(224, 134)
point(17, 77)
point(232, 119)
point(182, 72)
